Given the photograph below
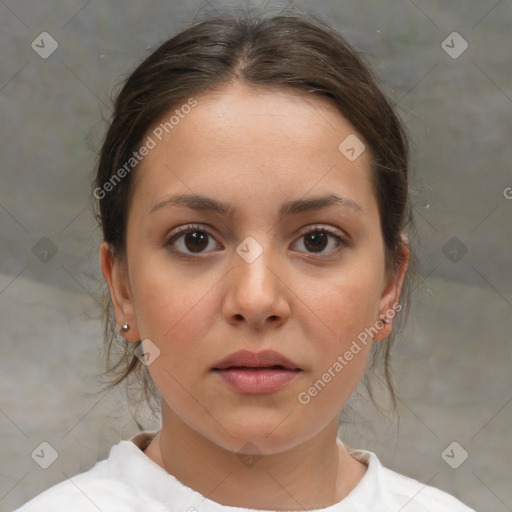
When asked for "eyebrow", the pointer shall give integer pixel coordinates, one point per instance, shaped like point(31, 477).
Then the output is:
point(199, 202)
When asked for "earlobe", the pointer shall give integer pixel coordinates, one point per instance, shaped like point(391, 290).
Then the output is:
point(116, 277)
point(390, 298)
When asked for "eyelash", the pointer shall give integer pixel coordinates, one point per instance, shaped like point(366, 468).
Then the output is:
point(183, 230)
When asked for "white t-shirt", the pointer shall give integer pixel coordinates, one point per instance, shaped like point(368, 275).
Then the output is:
point(129, 481)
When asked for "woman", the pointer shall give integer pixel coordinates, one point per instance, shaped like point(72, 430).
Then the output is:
point(252, 193)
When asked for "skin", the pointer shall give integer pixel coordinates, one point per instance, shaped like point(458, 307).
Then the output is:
point(254, 149)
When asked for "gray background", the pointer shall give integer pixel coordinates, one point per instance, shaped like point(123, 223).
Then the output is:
point(453, 359)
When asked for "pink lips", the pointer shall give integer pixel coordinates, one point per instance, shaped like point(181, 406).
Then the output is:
point(256, 373)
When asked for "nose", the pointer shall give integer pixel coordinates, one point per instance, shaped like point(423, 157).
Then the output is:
point(257, 293)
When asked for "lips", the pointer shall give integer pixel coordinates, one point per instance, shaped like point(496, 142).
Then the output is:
point(256, 373)
point(266, 359)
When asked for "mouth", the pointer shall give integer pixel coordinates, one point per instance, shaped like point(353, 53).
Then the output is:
point(259, 373)
point(257, 368)
point(256, 380)
point(264, 360)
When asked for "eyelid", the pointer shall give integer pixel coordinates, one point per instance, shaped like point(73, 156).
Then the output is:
point(186, 228)
point(322, 227)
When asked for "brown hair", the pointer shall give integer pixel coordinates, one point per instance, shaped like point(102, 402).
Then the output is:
point(268, 51)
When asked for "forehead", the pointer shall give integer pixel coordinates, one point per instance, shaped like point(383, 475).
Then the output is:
point(247, 142)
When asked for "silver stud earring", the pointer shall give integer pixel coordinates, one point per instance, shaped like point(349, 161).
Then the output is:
point(125, 327)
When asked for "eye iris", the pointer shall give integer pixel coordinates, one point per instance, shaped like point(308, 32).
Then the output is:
point(318, 241)
point(198, 239)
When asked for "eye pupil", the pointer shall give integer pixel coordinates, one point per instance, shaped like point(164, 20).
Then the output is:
point(199, 241)
point(318, 240)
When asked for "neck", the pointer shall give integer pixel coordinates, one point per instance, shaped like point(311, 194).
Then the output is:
point(315, 474)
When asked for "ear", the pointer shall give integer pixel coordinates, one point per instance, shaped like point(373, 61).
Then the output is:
point(392, 290)
point(116, 276)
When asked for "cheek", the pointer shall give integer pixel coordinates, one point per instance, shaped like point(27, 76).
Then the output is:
point(343, 309)
point(339, 357)
point(344, 304)
point(173, 311)
point(168, 300)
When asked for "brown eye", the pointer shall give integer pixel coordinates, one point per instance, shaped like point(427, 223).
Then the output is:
point(190, 240)
point(195, 241)
point(316, 240)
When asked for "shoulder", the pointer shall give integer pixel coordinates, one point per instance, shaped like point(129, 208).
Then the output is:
point(418, 496)
point(400, 492)
point(91, 491)
point(108, 486)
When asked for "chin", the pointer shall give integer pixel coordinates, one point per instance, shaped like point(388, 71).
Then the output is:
point(259, 440)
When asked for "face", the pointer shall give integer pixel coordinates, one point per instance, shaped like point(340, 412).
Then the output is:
point(274, 271)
